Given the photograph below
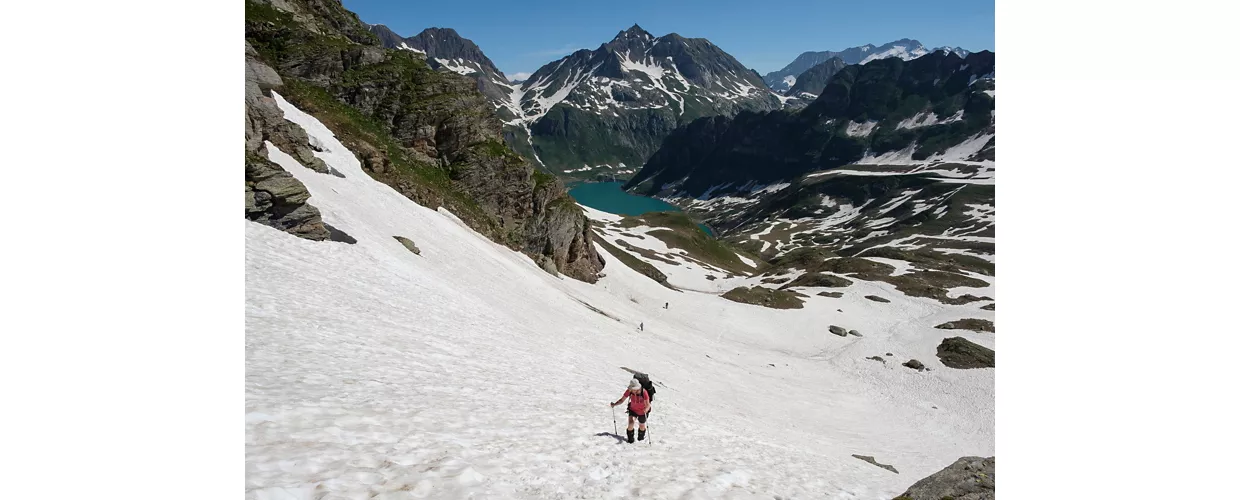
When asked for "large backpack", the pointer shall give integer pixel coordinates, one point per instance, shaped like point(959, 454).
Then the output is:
point(646, 384)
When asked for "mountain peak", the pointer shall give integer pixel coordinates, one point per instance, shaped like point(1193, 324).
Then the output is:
point(634, 31)
point(441, 31)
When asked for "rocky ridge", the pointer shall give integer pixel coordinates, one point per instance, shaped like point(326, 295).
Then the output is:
point(429, 134)
point(786, 77)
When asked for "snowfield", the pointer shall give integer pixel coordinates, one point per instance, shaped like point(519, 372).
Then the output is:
point(468, 372)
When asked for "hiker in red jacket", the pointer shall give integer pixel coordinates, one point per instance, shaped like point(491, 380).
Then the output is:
point(639, 408)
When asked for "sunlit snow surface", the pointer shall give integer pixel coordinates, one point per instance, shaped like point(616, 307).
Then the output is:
point(467, 372)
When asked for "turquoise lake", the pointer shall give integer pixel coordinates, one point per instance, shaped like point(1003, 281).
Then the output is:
point(608, 197)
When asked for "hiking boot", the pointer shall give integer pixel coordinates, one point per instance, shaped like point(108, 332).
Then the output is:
point(631, 435)
point(641, 434)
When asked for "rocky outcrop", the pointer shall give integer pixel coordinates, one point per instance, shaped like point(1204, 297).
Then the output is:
point(957, 352)
point(914, 364)
point(975, 324)
point(818, 279)
point(838, 330)
point(429, 134)
point(272, 195)
point(970, 478)
point(762, 296)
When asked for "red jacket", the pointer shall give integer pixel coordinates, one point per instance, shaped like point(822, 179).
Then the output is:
point(639, 404)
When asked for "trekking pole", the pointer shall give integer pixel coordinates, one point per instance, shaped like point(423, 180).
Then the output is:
point(614, 426)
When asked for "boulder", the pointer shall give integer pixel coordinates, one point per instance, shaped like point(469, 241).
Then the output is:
point(977, 325)
point(408, 244)
point(876, 298)
point(838, 330)
point(878, 358)
point(854, 333)
point(958, 352)
point(970, 478)
point(914, 364)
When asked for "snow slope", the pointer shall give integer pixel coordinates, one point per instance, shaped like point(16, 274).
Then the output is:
point(466, 371)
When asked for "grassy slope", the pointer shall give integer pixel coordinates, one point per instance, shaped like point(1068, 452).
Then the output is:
point(679, 231)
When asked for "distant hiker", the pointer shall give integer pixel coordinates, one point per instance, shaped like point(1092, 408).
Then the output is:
point(639, 408)
point(665, 305)
point(641, 326)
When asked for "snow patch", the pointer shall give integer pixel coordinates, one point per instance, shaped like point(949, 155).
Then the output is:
point(860, 129)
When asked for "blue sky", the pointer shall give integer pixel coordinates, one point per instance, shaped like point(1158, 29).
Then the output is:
point(522, 36)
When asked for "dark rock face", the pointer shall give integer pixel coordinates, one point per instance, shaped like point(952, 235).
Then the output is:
point(813, 80)
point(387, 37)
point(970, 478)
point(272, 195)
point(429, 135)
point(876, 298)
point(957, 352)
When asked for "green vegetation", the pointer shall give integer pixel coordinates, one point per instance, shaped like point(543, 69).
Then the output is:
point(542, 178)
point(677, 230)
point(569, 138)
point(351, 126)
point(818, 280)
point(931, 259)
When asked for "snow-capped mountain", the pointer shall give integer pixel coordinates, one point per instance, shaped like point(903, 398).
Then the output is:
point(604, 111)
point(784, 79)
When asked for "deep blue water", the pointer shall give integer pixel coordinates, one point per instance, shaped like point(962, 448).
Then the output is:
point(608, 197)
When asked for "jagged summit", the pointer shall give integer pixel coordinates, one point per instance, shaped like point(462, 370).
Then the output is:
point(634, 31)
